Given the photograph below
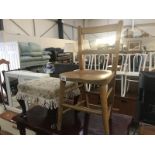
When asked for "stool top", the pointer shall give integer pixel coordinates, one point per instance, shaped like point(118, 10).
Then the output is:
point(44, 91)
point(88, 76)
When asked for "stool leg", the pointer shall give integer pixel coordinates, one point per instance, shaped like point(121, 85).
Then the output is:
point(23, 106)
point(21, 128)
point(104, 103)
point(61, 101)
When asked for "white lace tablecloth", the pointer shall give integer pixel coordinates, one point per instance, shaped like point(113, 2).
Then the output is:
point(44, 91)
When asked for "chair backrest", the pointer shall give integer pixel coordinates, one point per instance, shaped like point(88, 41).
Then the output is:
point(96, 61)
point(100, 29)
point(123, 62)
point(6, 67)
point(151, 56)
point(136, 62)
point(99, 58)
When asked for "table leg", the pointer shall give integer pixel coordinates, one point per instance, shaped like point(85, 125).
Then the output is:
point(23, 106)
point(21, 128)
point(52, 115)
point(60, 109)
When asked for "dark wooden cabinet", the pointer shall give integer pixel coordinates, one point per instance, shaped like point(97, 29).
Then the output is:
point(125, 105)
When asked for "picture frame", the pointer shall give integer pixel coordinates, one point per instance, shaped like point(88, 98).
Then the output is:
point(134, 45)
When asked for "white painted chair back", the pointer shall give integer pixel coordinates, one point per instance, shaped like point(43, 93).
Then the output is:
point(122, 65)
point(121, 70)
point(136, 63)
point(96, 62)
point(151, 56)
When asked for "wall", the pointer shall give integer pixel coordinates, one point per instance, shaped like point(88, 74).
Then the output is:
point(38, 27)
point(137, 25)
point(71, 31)
point(43, 41)
point(47, 28)
point(42, 27)
point(147, 25)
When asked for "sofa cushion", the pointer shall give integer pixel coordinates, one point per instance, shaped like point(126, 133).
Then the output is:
point(36, 54)
point(30, 58)
point(24, 48)
point(35, 47)
point(35, 50)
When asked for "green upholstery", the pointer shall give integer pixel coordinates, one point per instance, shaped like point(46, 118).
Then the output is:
point(30, 49)
point(34, 47)
point(24, 49)
point(31, 54)
point(36, 54)
point(30, 58)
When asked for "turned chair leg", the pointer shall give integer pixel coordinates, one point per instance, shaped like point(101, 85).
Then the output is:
point(104, 103)
point(86, 123)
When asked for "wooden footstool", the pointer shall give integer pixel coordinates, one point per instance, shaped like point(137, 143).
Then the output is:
point(39, 120)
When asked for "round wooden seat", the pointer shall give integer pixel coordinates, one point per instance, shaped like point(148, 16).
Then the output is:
point(88, 76)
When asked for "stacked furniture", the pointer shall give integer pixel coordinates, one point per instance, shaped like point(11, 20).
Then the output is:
point(58, 55)
point(60, 60)
point(31, 55)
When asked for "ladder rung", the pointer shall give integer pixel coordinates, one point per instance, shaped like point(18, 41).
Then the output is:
point(82, 108)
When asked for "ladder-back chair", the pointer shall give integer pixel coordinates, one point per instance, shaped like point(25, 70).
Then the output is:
point(100, 77)
point(2, 81)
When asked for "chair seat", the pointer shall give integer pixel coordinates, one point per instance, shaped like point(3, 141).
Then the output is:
point(132, 73)
point(120, 73)
point(88, 76)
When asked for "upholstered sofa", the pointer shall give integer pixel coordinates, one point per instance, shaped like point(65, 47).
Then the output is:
point(31, 54)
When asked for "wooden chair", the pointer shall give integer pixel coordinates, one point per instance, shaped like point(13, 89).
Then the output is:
point(3, 62)
point(100, 77)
